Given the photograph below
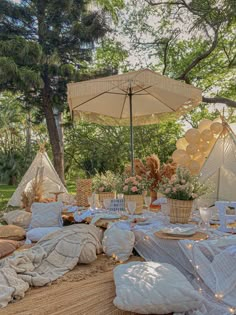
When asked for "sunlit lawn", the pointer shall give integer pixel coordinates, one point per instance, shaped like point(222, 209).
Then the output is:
point(6, 192)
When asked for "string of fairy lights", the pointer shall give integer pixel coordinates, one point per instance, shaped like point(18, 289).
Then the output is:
point(218, 296)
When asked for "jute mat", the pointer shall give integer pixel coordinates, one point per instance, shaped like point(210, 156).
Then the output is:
point(198, 236)
point(86, 290)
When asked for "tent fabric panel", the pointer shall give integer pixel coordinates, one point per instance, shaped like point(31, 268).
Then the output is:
point(41, 161)
point(227, 189)
point(219, 170)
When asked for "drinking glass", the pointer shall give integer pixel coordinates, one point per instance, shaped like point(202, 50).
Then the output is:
point(91, 202)
point(148, 201)
point(120, 196)
point(131, 207)
point(107, 203)
point(165, 210)
point(206, 214)
point(205, 211)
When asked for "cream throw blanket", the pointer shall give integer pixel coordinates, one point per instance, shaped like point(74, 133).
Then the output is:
point(53, 256)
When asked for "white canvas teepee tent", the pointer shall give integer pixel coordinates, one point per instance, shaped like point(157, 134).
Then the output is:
point(51, 181)
point(219, 169)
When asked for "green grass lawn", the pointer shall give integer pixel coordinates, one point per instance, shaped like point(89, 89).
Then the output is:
point(6, 192)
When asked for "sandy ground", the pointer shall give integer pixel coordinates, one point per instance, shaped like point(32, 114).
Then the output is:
point(86, 290)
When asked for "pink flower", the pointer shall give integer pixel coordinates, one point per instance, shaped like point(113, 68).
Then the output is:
point(125, 188)
point(174, 189)
point(135, 182)
point(194, 196)
point(167, 191)
point(127, 180)
point(134, 189)
point(138, 177)
point(101, 189)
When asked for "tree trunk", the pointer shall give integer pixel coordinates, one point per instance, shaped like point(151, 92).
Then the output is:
point(53, 136)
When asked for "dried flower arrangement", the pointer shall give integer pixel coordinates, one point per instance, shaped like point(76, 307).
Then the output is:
point(34, 193)
point(152, 171)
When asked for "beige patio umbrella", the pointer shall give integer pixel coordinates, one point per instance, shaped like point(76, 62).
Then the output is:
point(134, 98)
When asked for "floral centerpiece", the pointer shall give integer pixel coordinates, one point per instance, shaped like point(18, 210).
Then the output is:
point(133, 188)
point(153, 171)
point(133, 185)
point(181, 189)
point(105, 185)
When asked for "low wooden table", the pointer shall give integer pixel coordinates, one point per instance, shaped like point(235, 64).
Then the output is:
point(57, 193)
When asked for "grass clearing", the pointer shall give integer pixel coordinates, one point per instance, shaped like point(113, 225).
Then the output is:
point(7, 191)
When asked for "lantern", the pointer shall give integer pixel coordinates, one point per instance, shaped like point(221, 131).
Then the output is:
point(194, 167)
point(200, 159)
point(192, 149)
point(180, 157)
point(192, 136)
point(204, 124)
point(204, 146)
point(181, 144)
point(216, 128)
point(206, 135)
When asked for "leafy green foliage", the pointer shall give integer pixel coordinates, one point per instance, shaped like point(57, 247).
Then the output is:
point(94, 147)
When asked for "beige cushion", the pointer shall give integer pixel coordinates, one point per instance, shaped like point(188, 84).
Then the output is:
point(18, 217)
point(7, 247)
point(12, 232)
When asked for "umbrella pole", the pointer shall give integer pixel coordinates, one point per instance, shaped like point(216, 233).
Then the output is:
point(131, 131)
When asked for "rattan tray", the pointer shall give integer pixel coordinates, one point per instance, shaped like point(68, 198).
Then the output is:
point(198, 236)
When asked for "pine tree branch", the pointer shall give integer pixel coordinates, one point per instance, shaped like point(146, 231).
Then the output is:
point(219, 99)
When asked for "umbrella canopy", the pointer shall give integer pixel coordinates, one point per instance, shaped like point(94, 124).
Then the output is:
point(134, 98)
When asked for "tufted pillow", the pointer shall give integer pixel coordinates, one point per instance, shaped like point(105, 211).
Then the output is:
point(36, 234)
point(7, 247)
point(18, 217)
point(118, 242)
point(46, 214)
point(153, 288)
point(12, 232)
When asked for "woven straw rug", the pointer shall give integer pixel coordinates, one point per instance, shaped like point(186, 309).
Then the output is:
point(86, 290)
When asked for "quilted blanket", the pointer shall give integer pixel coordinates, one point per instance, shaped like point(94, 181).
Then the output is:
point(53, 256)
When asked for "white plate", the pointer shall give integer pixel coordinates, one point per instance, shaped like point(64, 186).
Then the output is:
point(144, 223)
point(110, 216)
point(180, 231)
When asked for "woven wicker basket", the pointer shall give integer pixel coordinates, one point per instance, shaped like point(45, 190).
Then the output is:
point(84, 190)
point(139, 202)
point(180, 210)
point(106, 195)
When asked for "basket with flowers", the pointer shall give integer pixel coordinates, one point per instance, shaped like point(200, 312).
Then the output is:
point(181, 189)
point(105, 185)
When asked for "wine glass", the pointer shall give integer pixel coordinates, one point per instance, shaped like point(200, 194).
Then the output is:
point(131, 207)
point(107, 203)
point(91, 202)
point(148, 201)
point(206, 214)
point(205, 211)
point(165, 210)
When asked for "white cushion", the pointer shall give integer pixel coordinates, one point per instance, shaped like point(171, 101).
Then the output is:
point(36, 234)
point(118, 242)
point(153, 288)
point(46, 214)
point(18, 217)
